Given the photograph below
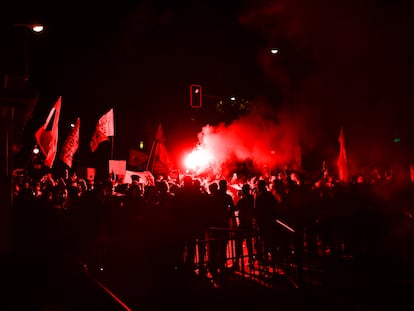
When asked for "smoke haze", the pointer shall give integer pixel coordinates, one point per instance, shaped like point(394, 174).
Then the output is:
point(263, 137)
point(343, 63)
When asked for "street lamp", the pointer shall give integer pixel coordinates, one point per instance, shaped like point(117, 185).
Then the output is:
point(9, 98)
point(36, 28)
point(17, 96)
point(36, 150)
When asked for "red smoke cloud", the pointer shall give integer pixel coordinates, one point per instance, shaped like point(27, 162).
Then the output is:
point(348, 67)
point(267, 140)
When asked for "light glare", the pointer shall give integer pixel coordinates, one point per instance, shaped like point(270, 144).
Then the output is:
point(37, 28)
point(198, 159)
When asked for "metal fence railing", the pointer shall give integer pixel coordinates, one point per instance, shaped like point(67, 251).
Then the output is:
point(256, 263)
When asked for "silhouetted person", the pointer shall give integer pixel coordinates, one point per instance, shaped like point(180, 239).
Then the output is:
point(186, 205)
point(134, 200)
point(245, 209)
point(201, 203)
point(265, 206)
point(222, 211)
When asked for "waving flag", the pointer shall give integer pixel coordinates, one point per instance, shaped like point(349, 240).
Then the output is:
point(104, 129)
point(46, 138)
point(342, 160)
point(71, 144)
point(159, 137)
point(161, 152)
point(137, 158)
point(159, 159)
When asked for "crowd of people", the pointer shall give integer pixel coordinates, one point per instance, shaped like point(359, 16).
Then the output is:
point(171, 222)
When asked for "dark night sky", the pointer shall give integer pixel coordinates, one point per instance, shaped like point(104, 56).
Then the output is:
point(341, 62)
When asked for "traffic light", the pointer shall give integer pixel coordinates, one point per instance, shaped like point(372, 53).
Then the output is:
point(195, 96)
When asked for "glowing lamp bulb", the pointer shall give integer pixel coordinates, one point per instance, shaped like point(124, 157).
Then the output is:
point(37, 28)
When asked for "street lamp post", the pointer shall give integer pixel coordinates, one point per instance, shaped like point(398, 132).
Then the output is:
point(10, 103)
point(36, 28)
point(9, 99)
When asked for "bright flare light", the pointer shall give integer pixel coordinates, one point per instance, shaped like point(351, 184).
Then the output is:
point(198, 159)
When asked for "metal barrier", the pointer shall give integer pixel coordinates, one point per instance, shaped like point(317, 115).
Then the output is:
point(259, 265)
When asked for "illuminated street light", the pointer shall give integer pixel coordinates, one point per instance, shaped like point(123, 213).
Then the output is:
point(36, 150)
point(9, 139)
point(274, 51)
point(7, 127)
point(37, 28)
point(32, 27)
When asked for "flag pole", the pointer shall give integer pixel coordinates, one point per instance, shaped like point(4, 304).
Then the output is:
point(158, 138)
point(150, 155)
point(112, 138)
point(112, 147)
point(78, 160)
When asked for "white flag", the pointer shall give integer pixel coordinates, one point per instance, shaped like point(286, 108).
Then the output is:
point(104, 129)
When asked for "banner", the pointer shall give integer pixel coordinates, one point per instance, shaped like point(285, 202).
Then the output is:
point(145, 177)
point(90, 173)
point(71, 144)
point(87, 173)
point(117, 168)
